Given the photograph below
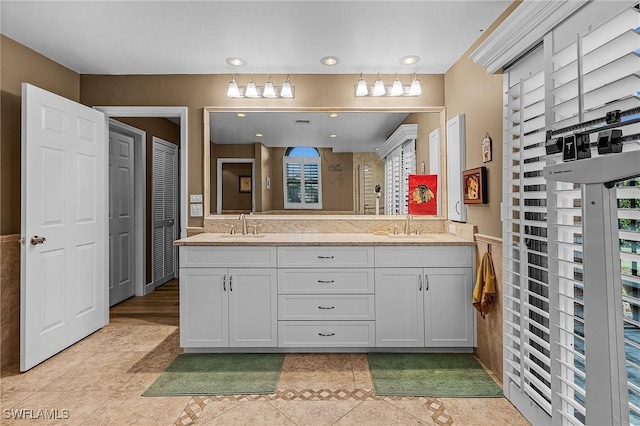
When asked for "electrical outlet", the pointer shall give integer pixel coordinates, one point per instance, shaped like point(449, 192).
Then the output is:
point(452, 228)
point(196, 210)
point(195, 198)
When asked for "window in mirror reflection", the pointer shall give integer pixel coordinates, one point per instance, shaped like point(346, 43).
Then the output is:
point(302, 178)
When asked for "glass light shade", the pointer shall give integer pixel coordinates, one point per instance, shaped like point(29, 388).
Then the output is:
point(269, 91)
point(361, 89)
point(396, 89)
point(378, 88)
point(286, 91)
point(251, 91)
point(233, 91)
point(415, 88)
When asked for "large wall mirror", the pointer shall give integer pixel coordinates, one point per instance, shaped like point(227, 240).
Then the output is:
point(250, 164)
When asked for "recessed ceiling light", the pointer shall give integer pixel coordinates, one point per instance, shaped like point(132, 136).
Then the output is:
point(259, 135)
point(241, 114)
point(409, 60)
point(333, 115)
point(236, 62)
point(333, 136)
point(330, 61)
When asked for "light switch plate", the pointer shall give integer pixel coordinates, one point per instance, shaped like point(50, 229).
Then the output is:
point(196, 210)
point(195, 198)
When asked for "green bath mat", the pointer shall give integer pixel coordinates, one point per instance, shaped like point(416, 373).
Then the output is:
point(434, 375)
point(219, 374)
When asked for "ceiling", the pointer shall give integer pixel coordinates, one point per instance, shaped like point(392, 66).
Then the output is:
point(354, 131)
point(279, 37)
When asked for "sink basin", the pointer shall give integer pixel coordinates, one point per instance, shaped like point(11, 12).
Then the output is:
point(242, 236)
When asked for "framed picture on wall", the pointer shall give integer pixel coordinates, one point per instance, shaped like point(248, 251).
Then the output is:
point(474, 186)
point(244, 184)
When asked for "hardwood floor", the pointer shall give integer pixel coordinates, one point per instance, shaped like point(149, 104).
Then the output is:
point(158, 307)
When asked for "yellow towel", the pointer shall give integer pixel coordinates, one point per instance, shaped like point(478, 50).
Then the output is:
point(484, 293)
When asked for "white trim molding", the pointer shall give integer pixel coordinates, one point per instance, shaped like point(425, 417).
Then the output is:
point(402, 134)
point(521, 30)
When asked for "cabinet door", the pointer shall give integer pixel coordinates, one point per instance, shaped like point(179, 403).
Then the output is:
point(253, 307)
point(204, 308)
point(399, 307)
point(449, 317)
point(456, 147)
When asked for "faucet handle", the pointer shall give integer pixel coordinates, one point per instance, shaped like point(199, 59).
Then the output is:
point(233, 229)
point(255, 229)
point(395, 230)
point(418, 230)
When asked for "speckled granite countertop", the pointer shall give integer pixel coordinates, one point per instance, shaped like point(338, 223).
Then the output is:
point(301, 239)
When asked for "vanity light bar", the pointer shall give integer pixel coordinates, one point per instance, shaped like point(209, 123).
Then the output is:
point(251, 90)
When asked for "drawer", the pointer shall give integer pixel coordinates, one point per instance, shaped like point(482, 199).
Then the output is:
point(315, 307)
point(227, 256)
point(325, 257)
point(320, 281)
point(326, 334)
point(429, 257)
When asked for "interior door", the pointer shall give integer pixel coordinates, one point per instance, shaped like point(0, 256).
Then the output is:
point(121, 216)
point(165, 177)
point(63, 280)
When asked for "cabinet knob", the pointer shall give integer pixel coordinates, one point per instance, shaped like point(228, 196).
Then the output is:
point(325, 281)
point(326, 334)
point(325, 257)
point(326, 307)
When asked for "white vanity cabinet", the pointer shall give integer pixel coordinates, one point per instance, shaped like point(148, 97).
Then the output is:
point(228, 297)
point(326, 297)
point(423, 297)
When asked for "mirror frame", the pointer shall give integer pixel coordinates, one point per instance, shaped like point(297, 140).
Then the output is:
point(428, 109)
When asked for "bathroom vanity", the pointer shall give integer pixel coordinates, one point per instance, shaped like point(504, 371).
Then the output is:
point(326, 292)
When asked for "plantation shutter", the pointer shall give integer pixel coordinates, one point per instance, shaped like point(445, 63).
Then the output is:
point(399, 164)
point(596, 74)
point(302, 183)
point(527, 365)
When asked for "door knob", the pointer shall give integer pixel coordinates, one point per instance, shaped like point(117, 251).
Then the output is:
point(171, 222)
point(35, 240)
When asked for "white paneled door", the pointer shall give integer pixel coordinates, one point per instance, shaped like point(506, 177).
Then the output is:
point(63, 294)
point(121, 216)
point(165, 178)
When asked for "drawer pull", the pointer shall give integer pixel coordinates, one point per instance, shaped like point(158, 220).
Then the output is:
point(326, 281)
point(326, 334)
point(325, 257)
point(326, 307)
point(224, 283)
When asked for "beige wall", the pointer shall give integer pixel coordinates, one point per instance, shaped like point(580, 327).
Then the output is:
point(428, 122)
point(470, 90)
point(170, 132)
point(20, 64)
point(337, 181)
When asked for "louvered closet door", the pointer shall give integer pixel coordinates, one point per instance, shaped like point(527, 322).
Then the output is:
point(165, 176)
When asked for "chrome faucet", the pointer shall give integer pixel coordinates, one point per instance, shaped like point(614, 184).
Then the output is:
point(407, 227)
point(243, 220)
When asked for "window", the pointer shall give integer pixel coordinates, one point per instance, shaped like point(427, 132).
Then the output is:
point(302, 178)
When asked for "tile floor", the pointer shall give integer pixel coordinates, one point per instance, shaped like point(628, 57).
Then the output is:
point(100, 380)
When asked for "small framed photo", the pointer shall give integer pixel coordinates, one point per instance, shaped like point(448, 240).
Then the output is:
point(474, 186)
point(245, 184)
